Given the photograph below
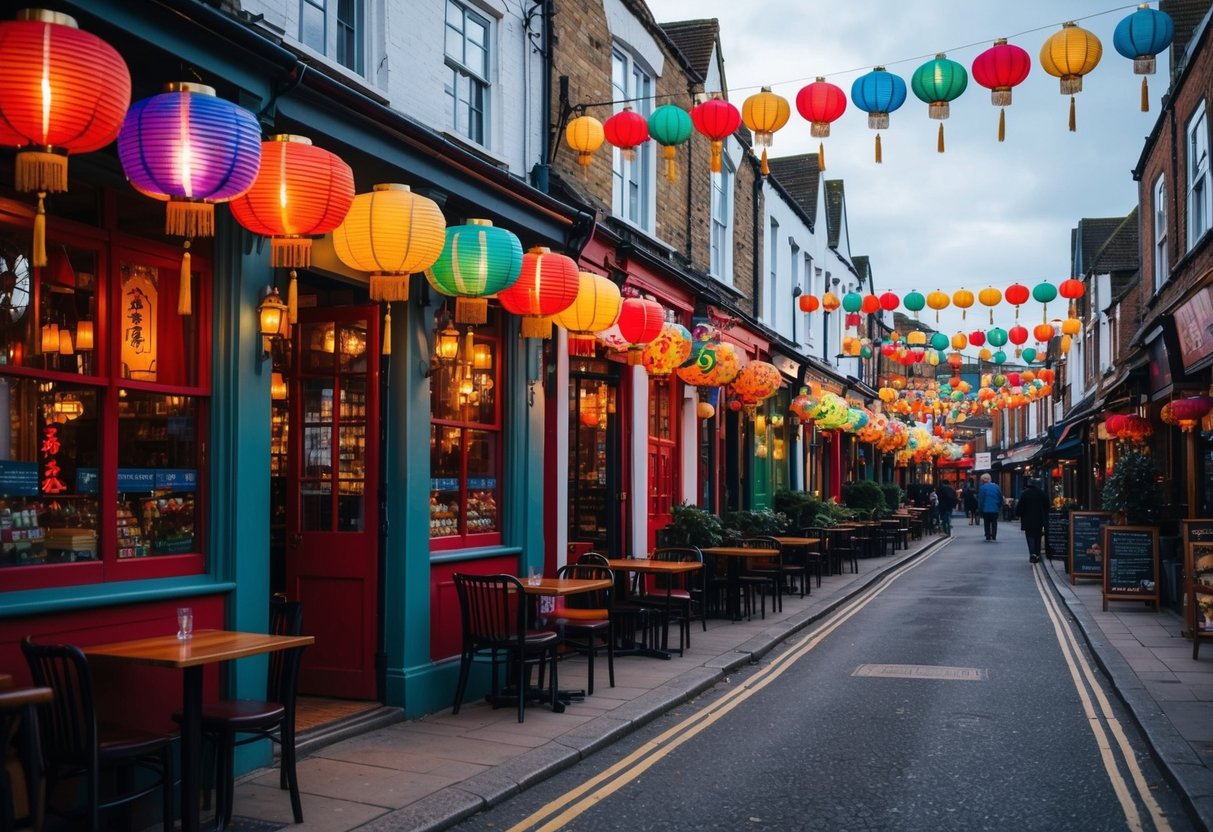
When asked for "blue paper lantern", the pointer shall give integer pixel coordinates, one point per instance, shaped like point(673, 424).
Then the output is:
point(1140, 37)
point(878, 93)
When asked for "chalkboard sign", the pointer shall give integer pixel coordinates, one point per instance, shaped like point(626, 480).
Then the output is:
point(1086, 543)
point(1057, 535)
point(1130, 564)
point(1198, 569)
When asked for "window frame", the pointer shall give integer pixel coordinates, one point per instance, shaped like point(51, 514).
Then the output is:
point(1162, 266)
point(459, 72)
point(633, 83)
point(334, 35)
point(720, 253)
point(769, 304)
point(1199, 197)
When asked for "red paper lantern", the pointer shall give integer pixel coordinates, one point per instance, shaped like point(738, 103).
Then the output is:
point(1017, 294)
point(1114, 425)
point(1187, 413)
point(1017, 335)
point(63, 91)
point(625, 130)
point(889, 301)
point(640, 321)
point(549, 284)
point(717, 119)
point(977, 338)
point(1000, 68)
point(871, 304)
point(821, 103)
point(809, 303)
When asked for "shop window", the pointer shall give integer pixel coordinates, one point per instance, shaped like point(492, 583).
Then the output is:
point(465, 441)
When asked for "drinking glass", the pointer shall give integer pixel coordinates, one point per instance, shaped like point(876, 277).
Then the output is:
point(185, 623)
point(535, 576)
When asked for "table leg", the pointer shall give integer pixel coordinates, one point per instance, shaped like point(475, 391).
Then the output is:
point(191, 747)
point(734, 588)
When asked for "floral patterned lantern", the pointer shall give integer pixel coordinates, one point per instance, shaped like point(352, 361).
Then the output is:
point(802, 405)
point(717, 119)
point(626, 130)
point(821, 103)
point(937, 83)
point(596, 307)
point(670, 126)
point(764, 113)
point(878, 93)
point(548, 284)
point(1001, 68)
point(64, 92)
point(477, 261)
point(1068, 55)
point(668, 351)
point(640, 321)
point(712, 363)
point(1141, 36)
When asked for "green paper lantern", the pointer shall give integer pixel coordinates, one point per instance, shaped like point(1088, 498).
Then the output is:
point(997, 336)
point(914, 301)
point(937, 83)
point(478, 260)
point(939, 341)
point(852, 302)
point(1044, 292)
point(670, 126)
point(999, 357)
point(1029, 354)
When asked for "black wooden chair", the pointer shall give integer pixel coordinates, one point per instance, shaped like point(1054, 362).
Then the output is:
point(22, 797)
point(233, 722)
point(765, 573)
point(680, 597)
point(585, 618)
point(493, 612)
point(78, 748)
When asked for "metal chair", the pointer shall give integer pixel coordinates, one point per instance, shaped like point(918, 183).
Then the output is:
point(493, 612)
point(766, 572)
point(22, 798)
point(588, 616)
point(682, 593)
point(77, 746)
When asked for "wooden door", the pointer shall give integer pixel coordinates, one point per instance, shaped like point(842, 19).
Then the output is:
point(332, 560)
point(662, 454)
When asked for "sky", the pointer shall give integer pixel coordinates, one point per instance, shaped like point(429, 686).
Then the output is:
point(982, 213)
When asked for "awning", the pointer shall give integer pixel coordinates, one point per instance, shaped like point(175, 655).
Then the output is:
point(1022, 454)
point(963, 462)
point(1070, 449)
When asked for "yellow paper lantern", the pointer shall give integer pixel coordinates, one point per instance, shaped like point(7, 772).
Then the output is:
point(938, 300)
point(1071, 326)
point(830, 302)
point(1068, 55)
point(960, 341)
point(984, 354)
point(1065, 343)
point(667, 351)
point(764, 113)
point(916, 338)
point(585, 135)
point(596, 308)
point(962, 299)
point(990, 297)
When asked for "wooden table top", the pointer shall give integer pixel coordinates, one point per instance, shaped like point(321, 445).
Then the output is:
point(206, 647)
point(565, 586)
point(799, 541)
point(670, 567)
point(740, 552)
point(6, 681)
point(25, 696)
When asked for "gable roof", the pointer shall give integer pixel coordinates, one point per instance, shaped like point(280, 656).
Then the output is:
point(1187, 16)
point(800, 179)
point(834, 197)
point(1120, 252)
point(696, 40)
point(1092, 233)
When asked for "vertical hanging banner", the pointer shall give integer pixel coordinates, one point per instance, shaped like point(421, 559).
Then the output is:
point(140, 303)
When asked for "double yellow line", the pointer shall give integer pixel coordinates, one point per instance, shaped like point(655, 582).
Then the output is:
point(564, 809)
point(1080, 671)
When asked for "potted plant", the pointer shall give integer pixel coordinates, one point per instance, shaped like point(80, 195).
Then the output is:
point(866, 498)
point(693, 526)
point(761, 523)
point(1131, 491)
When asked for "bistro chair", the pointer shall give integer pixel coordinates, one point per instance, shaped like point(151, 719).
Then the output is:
point(584, 618)
point(22, 799)
point(680, 597)
point(78, 748)
point(493, 612)
point(233, 722)
point(765, 573)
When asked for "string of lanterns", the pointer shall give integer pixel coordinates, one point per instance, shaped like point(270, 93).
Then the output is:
point(1069, 54)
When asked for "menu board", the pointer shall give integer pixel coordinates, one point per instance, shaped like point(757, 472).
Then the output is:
point(1198, 567)
point(1131, 564)
point(1057, 535)
point(1086, 543)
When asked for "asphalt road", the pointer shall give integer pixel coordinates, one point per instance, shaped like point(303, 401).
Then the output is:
point(847, 727)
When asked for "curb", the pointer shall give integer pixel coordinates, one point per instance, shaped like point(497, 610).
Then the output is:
point(1171, 751)
point(450, 806)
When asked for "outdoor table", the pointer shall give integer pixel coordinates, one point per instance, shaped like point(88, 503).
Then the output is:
point(735, 554)
point(805, 544)
point(190, 656)
point(652, 567)
point(560, 587)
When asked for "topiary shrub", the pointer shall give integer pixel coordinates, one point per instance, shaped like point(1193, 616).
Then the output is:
point(693, 526)
point(799, 506)
point(892, 495)
point(739, 524)
point(865, 497)
point(1132, 489)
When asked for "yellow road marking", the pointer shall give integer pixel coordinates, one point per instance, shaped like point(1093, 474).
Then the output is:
point(650, 753)
point(1076, 661)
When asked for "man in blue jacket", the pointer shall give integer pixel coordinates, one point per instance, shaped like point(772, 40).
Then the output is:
point(989, 503)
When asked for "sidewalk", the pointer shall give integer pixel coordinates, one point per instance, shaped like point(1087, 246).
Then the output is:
point(428, 774)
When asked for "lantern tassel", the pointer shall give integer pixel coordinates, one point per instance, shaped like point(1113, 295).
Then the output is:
point(1145, 95)
point(292, 300)
point(185, 295)
point(717, 147)
point(387, 331)
point(1073, 119)
point(473, 311)
point(939, 141)
point(764, 167)
point(536, 326)
point(389, 287)
point(668, 152)
point(821, 156)
point(189, 219)
point(290, 252)
point(1002, 124)
point(39, 253)
point(878, 148)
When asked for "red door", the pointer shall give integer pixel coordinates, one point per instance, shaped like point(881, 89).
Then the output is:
point(663, 456)
point(332, 563)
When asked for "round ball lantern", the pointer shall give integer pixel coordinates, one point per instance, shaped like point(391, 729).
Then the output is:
point(962, 299)
point(914, 301)
point(668, 351)
point(938, 300)
point(821, 103)
point(802, 405)
point(1017, 335)
point(809, 303)
point(990, 297)
point(1001, 68)
point(852, 302)
point(626, 130)
point(301, 191)
point(939, 341)
point(1071, 326)
point(670, 126)
point(937, 83)
point(870, 305)
point(64, 92)
point(478, 260)
point(712, 364)
point(830, 302)
point(977, 338)
point(889, 301)
point(1017, 295)
point(640, 321)
point(548, 285)
point(1044, 293)
point(997, 336)
point(584, 134)
point(960, 341)
point(1068, 55)
point(1141, 36)
point(878, 93)
point(764, 113)
point(596, 307)
point(717, 119)
point(1187, 413)
point(1043, 333)
point(1072, 289)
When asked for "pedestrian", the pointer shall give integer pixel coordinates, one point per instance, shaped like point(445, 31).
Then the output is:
point(946, 495)
point(933, 514)
point(1031, 511)
point(968, 496)
point(989, 503)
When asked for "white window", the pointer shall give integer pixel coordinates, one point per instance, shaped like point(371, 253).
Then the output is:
point(722, 221)
point(632, 189)
point(1162, 267)
point(1198, 176)
point(335, 29)
point(467, 63)
point(773, 283)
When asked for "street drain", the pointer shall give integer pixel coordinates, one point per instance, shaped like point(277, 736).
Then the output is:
point(923, 671)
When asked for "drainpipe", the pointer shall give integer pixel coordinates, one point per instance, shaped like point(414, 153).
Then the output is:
point(691, 178)
point(757, 258)
point(540, 172)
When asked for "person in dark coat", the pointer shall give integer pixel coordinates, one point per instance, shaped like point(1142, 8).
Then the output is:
point(1032, 509)
point(946, 495)
point(969, 498)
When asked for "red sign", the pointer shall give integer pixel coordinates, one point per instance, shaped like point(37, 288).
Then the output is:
point(52, 483)
point(1194, 326)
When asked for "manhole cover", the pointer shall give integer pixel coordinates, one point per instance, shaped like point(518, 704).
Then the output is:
point(923, 671)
